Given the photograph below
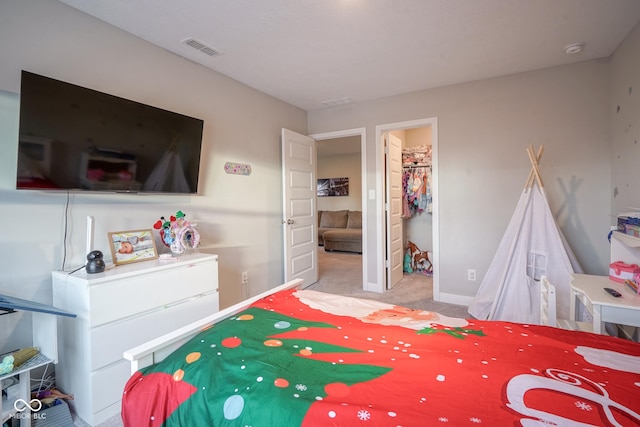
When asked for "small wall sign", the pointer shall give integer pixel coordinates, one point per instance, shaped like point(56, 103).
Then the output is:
point(237, 168)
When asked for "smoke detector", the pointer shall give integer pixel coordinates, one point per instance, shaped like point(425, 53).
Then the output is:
point(573, 48)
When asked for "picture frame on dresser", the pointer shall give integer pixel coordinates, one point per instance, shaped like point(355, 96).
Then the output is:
point(132, 246)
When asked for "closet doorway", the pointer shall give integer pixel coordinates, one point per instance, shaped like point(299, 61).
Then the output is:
point(341, 155)
point(408, 159)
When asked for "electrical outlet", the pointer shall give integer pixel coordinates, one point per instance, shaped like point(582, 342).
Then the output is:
point(471, 275)
point(245, 277)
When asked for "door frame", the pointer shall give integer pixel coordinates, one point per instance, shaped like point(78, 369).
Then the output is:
point(380, 209)
point(362, 133)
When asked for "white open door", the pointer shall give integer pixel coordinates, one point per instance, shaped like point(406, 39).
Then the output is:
point(299, 207)
point(395, 244)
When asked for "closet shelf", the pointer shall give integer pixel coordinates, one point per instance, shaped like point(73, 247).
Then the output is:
point(416, 165)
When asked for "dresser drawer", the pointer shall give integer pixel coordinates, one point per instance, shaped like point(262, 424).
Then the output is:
point(119, 299)
point(108, 384)
point(109, 341)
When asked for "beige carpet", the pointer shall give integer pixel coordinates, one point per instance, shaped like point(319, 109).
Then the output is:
point(341, 273)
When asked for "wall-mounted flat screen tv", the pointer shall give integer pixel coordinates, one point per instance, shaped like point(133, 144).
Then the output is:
point(75, 138)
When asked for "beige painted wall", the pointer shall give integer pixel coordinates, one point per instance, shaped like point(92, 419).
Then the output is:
point(484, 128)
point(418, 136)
point(239, 216)
point(624, 111)
point(338, 166)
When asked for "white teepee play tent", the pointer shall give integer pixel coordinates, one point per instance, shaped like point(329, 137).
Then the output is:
point(532, 246)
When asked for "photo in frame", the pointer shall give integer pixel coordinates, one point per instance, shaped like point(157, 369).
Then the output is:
point(132, 246)
point(333, 187)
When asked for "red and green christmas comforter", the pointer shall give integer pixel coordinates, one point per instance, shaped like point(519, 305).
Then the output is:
point(305, 358)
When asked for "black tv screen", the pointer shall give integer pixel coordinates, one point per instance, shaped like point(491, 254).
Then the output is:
point(75, 138)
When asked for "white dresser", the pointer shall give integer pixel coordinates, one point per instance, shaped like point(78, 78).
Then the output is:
point(121, 308)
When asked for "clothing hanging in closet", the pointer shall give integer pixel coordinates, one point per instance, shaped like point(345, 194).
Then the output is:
point(416, 185)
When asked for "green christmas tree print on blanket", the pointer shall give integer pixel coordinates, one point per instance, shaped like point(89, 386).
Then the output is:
point(233, 381)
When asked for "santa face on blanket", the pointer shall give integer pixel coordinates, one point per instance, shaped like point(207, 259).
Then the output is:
point(376, 311)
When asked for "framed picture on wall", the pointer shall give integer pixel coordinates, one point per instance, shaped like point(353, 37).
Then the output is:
point(132, 246)
point(333, 187)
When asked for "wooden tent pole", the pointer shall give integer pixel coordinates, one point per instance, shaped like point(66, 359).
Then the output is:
point(534, 174)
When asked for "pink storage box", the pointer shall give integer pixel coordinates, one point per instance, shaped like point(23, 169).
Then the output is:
point(619, 271)
point(635, 283)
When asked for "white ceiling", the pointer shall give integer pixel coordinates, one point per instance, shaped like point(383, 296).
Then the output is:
point(306, 52)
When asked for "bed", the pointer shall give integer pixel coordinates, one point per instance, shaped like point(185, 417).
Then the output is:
point(296, 357)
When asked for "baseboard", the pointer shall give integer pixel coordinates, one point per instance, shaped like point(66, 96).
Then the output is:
point(455, 299)
point(373, 287)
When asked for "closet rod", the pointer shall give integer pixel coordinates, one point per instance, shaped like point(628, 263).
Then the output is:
point(417, 166)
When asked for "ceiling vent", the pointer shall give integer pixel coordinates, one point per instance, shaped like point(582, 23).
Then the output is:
point(196, 44)
point(336, 102)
